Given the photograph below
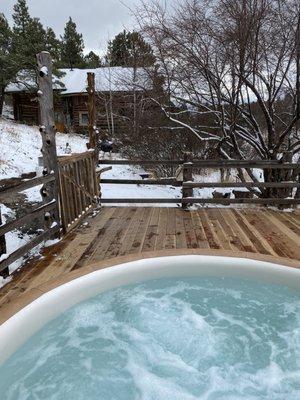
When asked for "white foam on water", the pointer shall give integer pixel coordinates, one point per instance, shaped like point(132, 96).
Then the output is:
point(195, 338)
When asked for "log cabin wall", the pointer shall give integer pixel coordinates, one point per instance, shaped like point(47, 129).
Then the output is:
point(77, 111)
point(71, 111)
point(25, 107)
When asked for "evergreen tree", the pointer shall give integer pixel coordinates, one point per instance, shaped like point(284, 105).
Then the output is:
point(92, 60)
point(53, 45)
point(29, 36)
point(129, 49)
point(8, 67)
point(72, 47)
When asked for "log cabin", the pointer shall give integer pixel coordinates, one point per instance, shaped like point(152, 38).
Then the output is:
point(115, 96)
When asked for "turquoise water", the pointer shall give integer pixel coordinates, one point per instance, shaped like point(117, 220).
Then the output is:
point(187, 339)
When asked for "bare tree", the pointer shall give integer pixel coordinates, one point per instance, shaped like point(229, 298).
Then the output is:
point(231, 69)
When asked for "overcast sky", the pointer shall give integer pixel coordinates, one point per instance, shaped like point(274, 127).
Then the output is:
point(96, 19)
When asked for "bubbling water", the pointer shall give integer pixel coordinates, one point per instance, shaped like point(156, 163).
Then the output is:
point(185, 339)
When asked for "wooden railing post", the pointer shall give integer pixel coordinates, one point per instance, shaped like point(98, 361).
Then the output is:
point(187, 176)
point(93, 131)
point(4, 272)
point(47, 128)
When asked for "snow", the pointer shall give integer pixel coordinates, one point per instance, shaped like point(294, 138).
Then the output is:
point(134, 191)
point(21, 144)
point(75, 81)
point(155, 191)
point(44, 71)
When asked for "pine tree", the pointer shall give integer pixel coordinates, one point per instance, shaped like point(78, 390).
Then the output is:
point(53, 45)
point(129, 49)
point(72, 46)
point(8, 67)
point(29, 36)
point(92, 60)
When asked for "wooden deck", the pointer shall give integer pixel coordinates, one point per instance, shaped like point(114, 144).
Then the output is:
point(141, 231)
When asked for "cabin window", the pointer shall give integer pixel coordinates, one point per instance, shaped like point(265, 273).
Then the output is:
point(83, 119)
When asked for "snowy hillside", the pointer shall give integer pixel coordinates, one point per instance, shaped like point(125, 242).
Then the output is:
point(21, 144)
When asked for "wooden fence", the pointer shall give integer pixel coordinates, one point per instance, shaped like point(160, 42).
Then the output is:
point(43, 212)
point(70, 186)
point(79, 187)
point(188, 185)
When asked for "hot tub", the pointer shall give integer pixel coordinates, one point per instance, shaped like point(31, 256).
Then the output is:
point(184, 327)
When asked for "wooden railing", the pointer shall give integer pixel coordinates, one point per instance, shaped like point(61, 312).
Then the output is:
point(188, 185)
point(79, 187)
point(43, 212)
point(70, 184)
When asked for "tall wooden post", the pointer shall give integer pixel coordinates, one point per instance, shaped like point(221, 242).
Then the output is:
point(93, 132)
point(4, 272)
point(47, 128)
point(187, 176)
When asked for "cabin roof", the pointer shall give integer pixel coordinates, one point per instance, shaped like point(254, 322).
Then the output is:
point(115, 79)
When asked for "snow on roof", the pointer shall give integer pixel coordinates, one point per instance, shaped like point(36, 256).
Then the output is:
point(115, 79)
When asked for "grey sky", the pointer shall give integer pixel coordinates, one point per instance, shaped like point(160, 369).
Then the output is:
point(96, 19)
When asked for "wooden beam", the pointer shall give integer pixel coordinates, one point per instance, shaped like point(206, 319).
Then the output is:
point(140, 200)
point(68, 159)
point(102, 170)
point(93, 139)
point(17, 223)
point(240, 201)
point(22, 251)
point(187, 175)
point(241, 184)
point(194, 200)
point(140, 162)
point(47, 129)
point(262, 164)
point(26, 184)
point(5, 271)
point(170, 182)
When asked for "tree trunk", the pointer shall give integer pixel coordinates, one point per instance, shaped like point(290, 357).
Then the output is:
point(50, 190)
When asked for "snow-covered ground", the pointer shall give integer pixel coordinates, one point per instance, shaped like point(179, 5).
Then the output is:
point(134, 191)
point(21, 146)
point(157, 191)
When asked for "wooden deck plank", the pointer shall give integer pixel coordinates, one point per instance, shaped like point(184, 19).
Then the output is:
point(131, 233)
point(191, 239)
point(119, 233)
point(260, 244)
point(141, 231)
point(170, 238)
point(126, 231)
point(162, 229)
point(151, 233)
point(75, 249)
point(199, 231)
point(276, 239)
point(181, 241)
point(211, 237)
point(246, 244)
point(105, 236)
